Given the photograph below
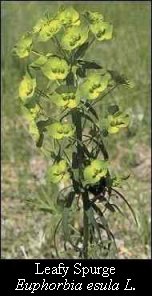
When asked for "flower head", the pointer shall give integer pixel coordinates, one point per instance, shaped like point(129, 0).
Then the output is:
point(58, 172)
point(66, 96)
point(60, 130)
point(93, 17)
point(24, 46)
point(47, 28)
point(117, 121)
point(94, 85)
point(68, 16)
point(55, 68)
point(102, 30)
point(96, 170)
point(74, 37)
point(27, 87)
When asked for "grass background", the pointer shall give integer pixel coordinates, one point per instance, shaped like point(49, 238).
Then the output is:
point(27, 233)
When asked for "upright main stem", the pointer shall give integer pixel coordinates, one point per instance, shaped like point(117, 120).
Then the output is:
point(77, 121)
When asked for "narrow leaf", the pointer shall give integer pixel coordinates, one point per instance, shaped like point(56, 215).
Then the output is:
point(91, 109)
point(129, 206)
point(89, 65)
point(81, 50)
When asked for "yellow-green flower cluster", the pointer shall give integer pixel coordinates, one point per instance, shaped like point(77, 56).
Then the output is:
point(27, 87)
point(101, 29)
point(24, 46)
point(94, 85)
point(59, 130)
point(74, 31)
point(116, 121)
point(65, 96)
point(94, 171)
point(58, 172)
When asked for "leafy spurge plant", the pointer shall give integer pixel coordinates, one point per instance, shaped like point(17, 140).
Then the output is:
point(74, 85)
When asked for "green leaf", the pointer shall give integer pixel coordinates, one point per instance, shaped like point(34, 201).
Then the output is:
point(89, 65)
point(43, 123)
point(81, 50)
point(118, 194)
point(118, 180)
point(91, 109)
point(31, 102)
point(33, 130)
point(58, 172)
point(70, 79)
point(129, 83)
point(94, 172)
point(86, 116)
point(112, 109)
point(60, 131)
point(81, 72)
point(118, 78)
point(69, 199)
point(55, 68)
point(24, 46)
point(39, 142)
point(47, 210)
point(65, 224)
point(110, 207)
point(93, 221)
point(104, 223)
point(68, 16)
point(121, 79)
point(39, 62)
point(74, 37)
point(27, 87)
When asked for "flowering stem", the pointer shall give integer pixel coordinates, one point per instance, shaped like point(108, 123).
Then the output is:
point(77, 121)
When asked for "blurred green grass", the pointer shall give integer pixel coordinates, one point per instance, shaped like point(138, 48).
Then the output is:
point(129, 53)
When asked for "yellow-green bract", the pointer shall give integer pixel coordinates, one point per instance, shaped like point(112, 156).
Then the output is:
point(102, 30)
point(66, 96)
point(55, 68)
point(74, 37)
point(116, 122)
point(31, 115)
point(93, 17)
point(68, 16)
point(24, 46)
point(96, 170)
point(94, 85)
point(40, 61)
point(27, 87)
point(47, 29)
point(58, 172)
point(59, 130)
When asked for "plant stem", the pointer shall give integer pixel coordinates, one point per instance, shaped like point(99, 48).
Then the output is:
point(77, 121)
point(85, 225)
